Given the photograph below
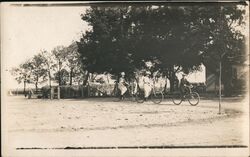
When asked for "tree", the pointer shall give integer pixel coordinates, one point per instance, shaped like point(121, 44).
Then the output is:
point(22, 73)
point(190, 35)
point(39, 70)
point(174, 38)
point(63, 76)
point(124, 38)
point(103, 48)
point(224, 41)
point(32, 71)
point(60, 53)
point(159, 40)
point(76, 69)
point(49, 64)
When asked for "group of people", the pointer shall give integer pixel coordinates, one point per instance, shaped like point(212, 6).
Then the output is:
point(148, 85)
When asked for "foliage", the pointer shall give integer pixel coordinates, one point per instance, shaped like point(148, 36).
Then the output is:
point(125, 38)
point(38, 69)
point(105, 48)
point(76, 69)
point(20, 73)
point(63, 76)
point(172, 37)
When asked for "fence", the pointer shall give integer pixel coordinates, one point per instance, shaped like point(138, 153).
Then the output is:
point(80, 91)
point(73, 91)
point(16, 92)
point(91, 90)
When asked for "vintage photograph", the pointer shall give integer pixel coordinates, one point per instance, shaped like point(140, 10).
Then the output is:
point(125, 79)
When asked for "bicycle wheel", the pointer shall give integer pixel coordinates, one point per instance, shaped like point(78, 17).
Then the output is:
point(193, 98)
point(177, 98)
point(130, 94)
point(139, 96)
point(157, 97)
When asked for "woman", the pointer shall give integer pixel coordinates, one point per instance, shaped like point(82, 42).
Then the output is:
point(122, 85)
point(147, 85)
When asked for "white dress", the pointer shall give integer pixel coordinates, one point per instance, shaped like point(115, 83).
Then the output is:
point(121, 85)
point(147, 85)
point(134, 87)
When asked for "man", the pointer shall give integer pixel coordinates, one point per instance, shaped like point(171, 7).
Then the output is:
point(147, 85)
point(184, 85)
point(122, 85)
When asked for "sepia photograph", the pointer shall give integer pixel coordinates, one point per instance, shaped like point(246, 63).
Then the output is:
point(125, 78)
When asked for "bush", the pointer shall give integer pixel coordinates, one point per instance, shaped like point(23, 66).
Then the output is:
point(73, 91)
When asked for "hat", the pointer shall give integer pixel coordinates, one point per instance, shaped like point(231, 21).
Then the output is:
point(123, 73)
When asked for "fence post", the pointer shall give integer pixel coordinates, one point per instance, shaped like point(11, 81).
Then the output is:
point(58, 92)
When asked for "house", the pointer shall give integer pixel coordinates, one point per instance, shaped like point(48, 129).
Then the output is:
point(239, 78)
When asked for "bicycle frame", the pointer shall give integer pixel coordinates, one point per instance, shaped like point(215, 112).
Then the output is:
point(177, 99)
point(154, 94)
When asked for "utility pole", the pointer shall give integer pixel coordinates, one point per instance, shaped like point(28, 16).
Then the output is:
point(220, 89)
point(220, 61)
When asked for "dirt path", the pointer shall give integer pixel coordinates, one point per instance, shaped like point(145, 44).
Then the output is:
point(104, 123)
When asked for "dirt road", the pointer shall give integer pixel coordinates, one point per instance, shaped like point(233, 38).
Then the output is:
point(101, 122)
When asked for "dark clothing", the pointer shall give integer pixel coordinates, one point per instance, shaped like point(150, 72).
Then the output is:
point(176, 84)
point(184, 82)
point(183, 86)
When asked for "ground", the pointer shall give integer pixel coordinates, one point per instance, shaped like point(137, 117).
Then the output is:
point(104, 123)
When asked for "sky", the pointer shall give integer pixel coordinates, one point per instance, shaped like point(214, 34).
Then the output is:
point(28, 30)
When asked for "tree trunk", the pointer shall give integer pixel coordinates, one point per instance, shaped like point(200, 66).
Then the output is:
point(86, 79)
point(36, 86)
point(71, 76)
point(166, 85)
point(49, 79)
point(171, 76)
point(36, 83)
point(171, 81)
point(59, 78)
point(59, 73)
point(24, 87)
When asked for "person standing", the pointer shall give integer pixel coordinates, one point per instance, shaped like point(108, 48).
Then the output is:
point(122, 85)
point(147, 85)
point(134, 86)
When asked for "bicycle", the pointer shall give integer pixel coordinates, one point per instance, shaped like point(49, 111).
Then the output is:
point(128, 94)
point(192, 97)
point(155, 96)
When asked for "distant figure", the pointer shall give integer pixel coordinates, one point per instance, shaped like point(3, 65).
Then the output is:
point(147, 84)
point(30, 93)
point(10, 93)
point(134, 86)
point(122, 85)
point(184, 85)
